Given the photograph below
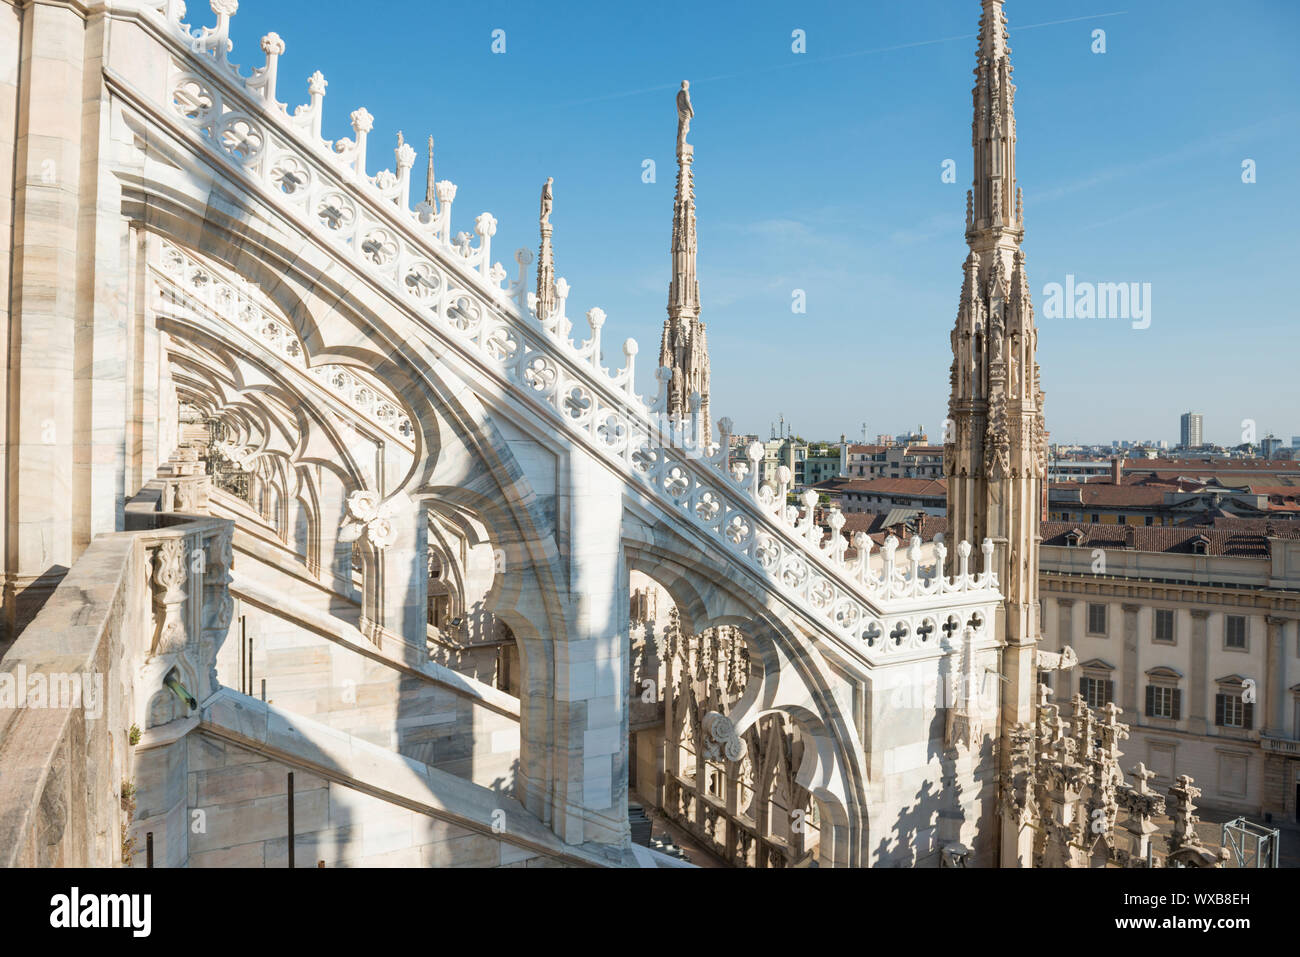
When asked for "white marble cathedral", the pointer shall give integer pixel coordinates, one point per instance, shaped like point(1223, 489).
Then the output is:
point(322, 530)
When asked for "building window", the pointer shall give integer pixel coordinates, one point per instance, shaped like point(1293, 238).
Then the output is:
point(1096, 519)
point(1165, 625)
point(1164, 701)
point(1123, 520)
point(1096, 619)
point(1234, 632)
point(1150, 520)
point(1230, 711)
point(1098, 692)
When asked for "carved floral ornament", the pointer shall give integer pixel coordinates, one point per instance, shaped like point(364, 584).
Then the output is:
point(368, 516)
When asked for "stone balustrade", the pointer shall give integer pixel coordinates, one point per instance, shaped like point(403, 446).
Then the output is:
point(455, 290)
point(128, 640)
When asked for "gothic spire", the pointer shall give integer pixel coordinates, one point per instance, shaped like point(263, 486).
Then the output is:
point(995, 449)
point(546, 259)
point(684, 290)
point(685, 348)
point(430, 194)
point(995, 208)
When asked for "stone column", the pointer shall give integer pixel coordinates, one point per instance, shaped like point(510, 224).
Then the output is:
point(591, 673)
point(1198, 680)
point(1129, 667)
point(103, 290)
point(1275, 676)
point(43, 297)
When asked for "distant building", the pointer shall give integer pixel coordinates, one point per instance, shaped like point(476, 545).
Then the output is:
point(1192, 434)
point(895, 461)
point(1192, 631)
point(824, 462)
point(789, 452)
point(907, 496)
point(1270, 445)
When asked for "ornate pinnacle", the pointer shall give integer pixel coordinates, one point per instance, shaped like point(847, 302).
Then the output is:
point(430, 193)
point(546, 258)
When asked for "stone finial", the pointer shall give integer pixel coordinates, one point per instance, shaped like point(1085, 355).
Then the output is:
point(225, 8)
point(485, 224)
point(404, 153)
point(595, 319)
point(1142, 777)
point(362, 121)
point(272, 45)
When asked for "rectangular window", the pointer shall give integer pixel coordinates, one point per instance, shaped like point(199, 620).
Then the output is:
point(1231, 712)
point(1150, 520)
point(1165, 625)
point(1234, 631)
point(1096, 619)
point(1164, 701)
point(1095, 519)
point(1098, 692)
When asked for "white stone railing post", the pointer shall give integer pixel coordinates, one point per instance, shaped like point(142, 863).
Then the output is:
point(362, 124)
point(216, 40)
point(316, 84)
point(595, 319)
point(264, 80)
point(446, 191)
point(628, 371)
point(486, 227)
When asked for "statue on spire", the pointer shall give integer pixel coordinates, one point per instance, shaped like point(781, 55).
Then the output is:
point(684, 114)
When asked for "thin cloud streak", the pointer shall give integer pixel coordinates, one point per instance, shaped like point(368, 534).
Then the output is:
point(830, 59)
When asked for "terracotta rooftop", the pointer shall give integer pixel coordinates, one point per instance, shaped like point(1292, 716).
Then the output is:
point(1205, 465)
point(1227, 537)
point(887, 486)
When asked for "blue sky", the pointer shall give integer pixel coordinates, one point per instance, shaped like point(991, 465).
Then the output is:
point(822, 172)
